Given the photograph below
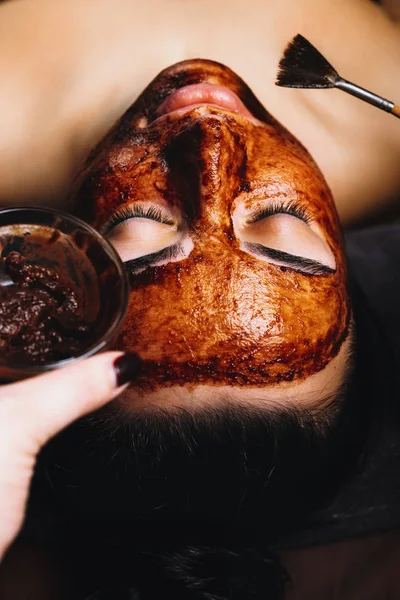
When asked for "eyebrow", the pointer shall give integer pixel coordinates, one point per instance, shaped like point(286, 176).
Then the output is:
point(149, 259)
point(307, 266)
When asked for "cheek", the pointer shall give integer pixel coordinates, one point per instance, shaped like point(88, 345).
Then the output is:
point(233, 321)
point(106, 185)
point(316, 315)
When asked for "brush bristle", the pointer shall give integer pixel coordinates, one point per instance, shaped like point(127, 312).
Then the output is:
point(303, 66)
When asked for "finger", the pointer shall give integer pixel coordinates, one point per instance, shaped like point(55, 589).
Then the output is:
point(33, 411)
point(37, 409)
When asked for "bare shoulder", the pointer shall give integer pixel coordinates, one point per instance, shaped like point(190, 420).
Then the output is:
point(70, 68)
point(356, 146)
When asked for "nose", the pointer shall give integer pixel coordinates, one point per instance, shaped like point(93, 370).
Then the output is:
point(206, 170)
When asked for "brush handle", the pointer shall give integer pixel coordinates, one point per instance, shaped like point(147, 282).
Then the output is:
point(363, 94)
point(396, 111)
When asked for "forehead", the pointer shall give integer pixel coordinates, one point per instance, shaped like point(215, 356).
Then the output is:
point(315, 391)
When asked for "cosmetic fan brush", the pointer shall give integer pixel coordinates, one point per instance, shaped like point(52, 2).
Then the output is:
point(303, 66)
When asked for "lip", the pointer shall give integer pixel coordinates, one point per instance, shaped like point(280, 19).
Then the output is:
point(201, 94)
point(197, 83)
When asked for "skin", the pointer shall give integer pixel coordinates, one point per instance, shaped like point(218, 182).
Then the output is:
point(70, 68)
point(68, 94)
point(219, 315)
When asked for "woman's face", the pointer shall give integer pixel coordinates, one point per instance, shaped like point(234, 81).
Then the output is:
point(231, 239)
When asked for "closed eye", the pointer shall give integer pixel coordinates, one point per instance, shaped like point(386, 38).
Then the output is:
point(142, 229)
point(283, 231)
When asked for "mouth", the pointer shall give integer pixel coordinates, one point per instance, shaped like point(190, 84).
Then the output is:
point(197, 84)
point(202, 94)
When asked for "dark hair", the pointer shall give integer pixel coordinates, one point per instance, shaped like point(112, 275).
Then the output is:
point(202, 573)
point(191, 504)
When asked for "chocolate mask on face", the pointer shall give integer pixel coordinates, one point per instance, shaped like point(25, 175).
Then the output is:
point(240, 200)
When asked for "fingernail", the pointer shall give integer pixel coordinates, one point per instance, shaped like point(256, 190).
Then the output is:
point(127, 367)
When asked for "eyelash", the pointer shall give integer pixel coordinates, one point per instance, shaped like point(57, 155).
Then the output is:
point(132, 211)
point(289, 207)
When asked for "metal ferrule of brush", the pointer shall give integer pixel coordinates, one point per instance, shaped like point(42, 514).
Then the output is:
point(363, 94)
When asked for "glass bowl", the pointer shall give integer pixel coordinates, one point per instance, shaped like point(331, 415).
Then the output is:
point(88, 267)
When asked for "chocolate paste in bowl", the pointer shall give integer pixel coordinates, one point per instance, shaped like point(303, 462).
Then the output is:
point(41, 317)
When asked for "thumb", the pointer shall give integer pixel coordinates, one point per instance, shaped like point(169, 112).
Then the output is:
point(33, 411)
point(38, 408)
